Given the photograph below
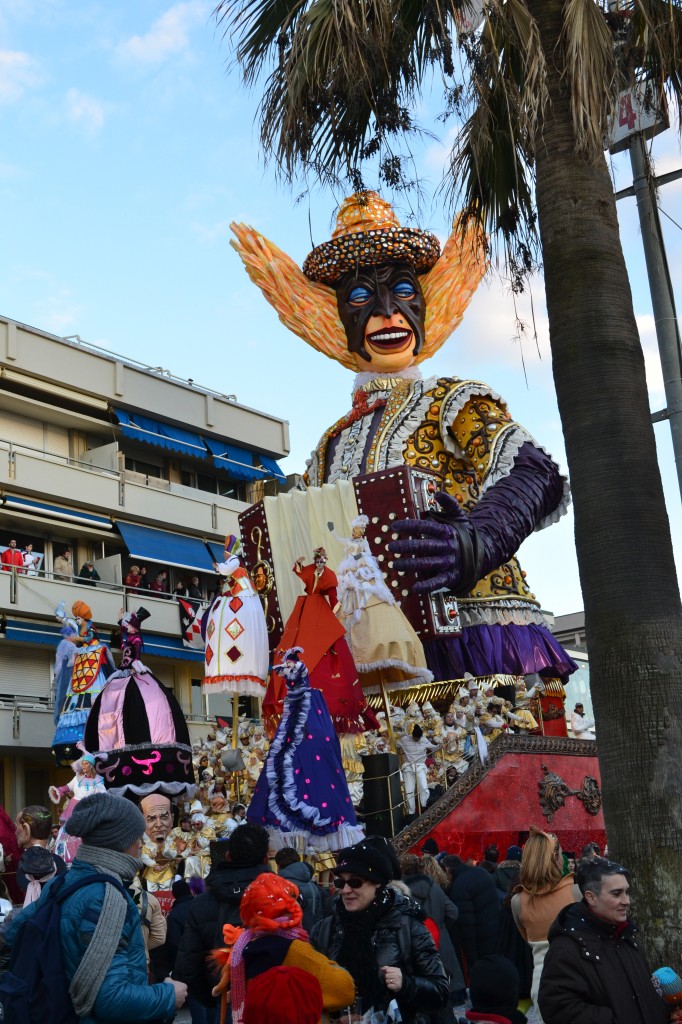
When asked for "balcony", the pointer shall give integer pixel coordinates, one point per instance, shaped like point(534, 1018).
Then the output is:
point(36, 597)
point(110, 492)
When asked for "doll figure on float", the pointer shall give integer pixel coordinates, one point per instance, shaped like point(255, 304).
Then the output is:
point(137, 727)
point(386, 650)
point(235, 632)
point(302, 796)
point(380, 299)
point(64, 657)
point(314, 627)
point(91, 668)
point(85, 782)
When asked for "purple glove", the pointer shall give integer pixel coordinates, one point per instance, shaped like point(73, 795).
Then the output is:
point(455, 549)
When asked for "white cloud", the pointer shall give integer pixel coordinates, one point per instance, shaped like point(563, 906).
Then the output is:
point(85, 111)
point(646, 326)
point(18, 72)
point(168, 36)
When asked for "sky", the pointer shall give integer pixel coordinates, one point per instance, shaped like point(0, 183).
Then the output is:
point(127, 146)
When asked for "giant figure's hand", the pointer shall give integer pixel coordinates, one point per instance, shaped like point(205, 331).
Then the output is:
point(446, 550)
point(455, 549)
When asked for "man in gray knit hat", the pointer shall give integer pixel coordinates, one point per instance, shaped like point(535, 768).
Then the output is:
point(102, 945)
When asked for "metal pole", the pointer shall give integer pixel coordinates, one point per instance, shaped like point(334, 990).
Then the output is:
point(662, 300)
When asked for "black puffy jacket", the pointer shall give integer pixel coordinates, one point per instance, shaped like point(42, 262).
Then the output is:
point(595, 974)
point(474, 893)
point(219, 905)
point(400, 940)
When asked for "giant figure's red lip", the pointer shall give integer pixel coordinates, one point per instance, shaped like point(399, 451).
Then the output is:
point(389, 338)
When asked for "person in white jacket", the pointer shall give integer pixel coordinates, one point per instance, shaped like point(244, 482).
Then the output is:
point(581, 726)
point(415, 748)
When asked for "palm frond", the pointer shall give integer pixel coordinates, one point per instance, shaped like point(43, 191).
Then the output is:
point(591, 72)
point(654, 48)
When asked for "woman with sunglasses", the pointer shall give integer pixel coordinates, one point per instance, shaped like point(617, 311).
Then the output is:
point(542, 892)
point(377, 934)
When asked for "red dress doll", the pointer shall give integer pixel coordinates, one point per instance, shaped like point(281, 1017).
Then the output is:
point(314, 628)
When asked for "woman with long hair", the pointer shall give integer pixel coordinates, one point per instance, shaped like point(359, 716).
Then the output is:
point(542, 892)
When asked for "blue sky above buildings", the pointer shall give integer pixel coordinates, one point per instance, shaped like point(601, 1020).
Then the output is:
point(126, 149)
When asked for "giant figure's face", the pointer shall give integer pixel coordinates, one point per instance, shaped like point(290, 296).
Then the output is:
point(382, 310)
point(157, 815)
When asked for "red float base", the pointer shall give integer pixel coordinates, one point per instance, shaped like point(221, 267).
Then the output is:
point(498, 801)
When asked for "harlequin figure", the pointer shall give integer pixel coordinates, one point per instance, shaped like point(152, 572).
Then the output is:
point(137, 726)
point(235, 632)
point(314, 628)
point(92, 666)
point(302, 796)
point(380, 299)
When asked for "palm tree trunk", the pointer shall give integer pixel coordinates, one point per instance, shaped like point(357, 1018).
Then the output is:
point(633, 616)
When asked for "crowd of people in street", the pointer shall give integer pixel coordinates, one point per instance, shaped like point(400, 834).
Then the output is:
point(424, 938)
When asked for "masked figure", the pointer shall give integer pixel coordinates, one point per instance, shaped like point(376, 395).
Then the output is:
point(380, 299)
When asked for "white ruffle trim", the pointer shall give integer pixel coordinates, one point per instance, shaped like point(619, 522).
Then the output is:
point(167, 788)
point(345, 835)
point(400, 434)
point(502, 613)
point(416, 676)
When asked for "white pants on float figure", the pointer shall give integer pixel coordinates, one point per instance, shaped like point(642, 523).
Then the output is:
point(414, 776)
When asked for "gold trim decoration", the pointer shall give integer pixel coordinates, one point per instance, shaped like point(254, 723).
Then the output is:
point(446, 689)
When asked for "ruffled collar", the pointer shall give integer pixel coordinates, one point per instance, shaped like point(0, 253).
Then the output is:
point(371, 381)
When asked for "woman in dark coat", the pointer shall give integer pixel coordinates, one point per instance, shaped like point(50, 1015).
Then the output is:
point(376, 934)
point(474, 893)
point(443, 912)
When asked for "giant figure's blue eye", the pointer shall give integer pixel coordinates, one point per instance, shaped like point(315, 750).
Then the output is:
point(404, 290)
point(359, 295)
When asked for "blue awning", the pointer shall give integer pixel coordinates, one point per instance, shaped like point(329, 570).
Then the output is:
point(217, 550)
point(163, 435)
point(238, 462)
point(272, 468)
point(170, 647)
point(174, 549)
point(71, 515)
point(32, 632)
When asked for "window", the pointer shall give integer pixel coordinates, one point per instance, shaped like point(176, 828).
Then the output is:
point(196, 700)
point(136, 465)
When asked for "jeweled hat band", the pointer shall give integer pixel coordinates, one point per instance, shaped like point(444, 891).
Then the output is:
point(367, 234)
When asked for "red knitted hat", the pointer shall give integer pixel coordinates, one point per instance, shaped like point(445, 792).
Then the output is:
point(283, 995)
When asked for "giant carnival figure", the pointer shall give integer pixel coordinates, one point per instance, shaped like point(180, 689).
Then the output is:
point(90, 670)
point(380, 299)
point(137, 727)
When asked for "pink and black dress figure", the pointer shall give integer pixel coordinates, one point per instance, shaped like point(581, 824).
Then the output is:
point(137, 726)
point(302, 794)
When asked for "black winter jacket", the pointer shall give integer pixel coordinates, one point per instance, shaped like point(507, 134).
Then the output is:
point(594, 974)
point(219, 905)
point(400, 940)
point(444, 914)
point(474, 893)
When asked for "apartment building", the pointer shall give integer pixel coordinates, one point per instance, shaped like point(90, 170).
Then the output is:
point(122, 464)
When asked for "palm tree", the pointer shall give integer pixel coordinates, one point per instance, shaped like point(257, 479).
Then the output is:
point(537, 87)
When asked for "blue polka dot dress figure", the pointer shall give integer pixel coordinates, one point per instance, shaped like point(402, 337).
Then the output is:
point(302, 795)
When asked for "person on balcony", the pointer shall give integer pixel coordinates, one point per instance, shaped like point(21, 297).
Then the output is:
point(89, 574)
point(62, 568)
point(135, 578)
point(159, 585)
point(31, 560)
point(12, 559)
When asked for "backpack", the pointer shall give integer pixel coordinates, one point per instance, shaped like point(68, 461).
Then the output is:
point(35, 989)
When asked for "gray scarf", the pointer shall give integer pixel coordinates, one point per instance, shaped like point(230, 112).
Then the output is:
point(92, 970)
